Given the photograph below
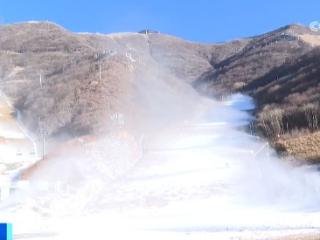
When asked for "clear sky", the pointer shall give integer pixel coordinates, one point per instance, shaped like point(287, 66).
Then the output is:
point(197, 20)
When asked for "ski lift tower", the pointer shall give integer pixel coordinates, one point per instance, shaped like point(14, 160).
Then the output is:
point(41, 126)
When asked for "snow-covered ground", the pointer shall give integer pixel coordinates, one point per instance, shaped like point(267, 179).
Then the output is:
point(203, 179)
point(17, 151)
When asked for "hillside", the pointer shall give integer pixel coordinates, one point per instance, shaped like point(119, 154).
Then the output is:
point(71, 84)
point(280, 70)
point(58, 80)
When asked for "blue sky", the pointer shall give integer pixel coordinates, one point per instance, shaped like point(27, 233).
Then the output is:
point(200, 20)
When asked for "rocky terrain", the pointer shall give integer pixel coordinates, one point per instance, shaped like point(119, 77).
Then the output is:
point(65, 84)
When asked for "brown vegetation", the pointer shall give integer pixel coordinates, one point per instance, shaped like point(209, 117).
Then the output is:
point(304, 145)
point(281, 70)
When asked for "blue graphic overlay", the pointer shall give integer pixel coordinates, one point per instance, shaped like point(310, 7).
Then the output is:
point(5, 231)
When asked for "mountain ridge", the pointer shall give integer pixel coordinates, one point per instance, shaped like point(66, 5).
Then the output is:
point(59, 81)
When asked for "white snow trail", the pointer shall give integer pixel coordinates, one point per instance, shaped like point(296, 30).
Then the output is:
point(206, 179)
